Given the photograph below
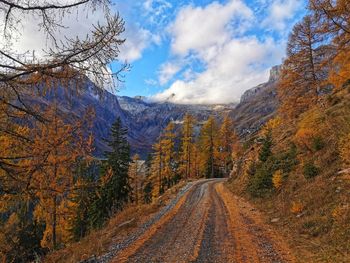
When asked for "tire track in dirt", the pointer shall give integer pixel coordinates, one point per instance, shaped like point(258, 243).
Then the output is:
point(208, 224)
point(256, 241)
point(218, 245)
point(176, 237)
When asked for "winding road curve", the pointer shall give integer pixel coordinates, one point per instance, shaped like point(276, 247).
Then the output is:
point(208, 224)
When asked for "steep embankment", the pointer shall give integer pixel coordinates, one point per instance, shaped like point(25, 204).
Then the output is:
point(304, 184)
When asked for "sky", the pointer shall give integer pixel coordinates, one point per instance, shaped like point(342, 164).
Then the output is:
point(193, 51)
point(203, 51)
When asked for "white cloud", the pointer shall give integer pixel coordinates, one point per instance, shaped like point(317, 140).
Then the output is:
point(137, 40)
point(196, 28)
point(189, 74)
point(167, 72)
point(156, 11)
point(156, 6)
point(233, 61)
point(280, 12)
point(237, 67)
point(29, 36)
point(151, 82)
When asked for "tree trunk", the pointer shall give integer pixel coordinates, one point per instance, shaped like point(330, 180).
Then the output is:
point(54, 223)
point(136, 184)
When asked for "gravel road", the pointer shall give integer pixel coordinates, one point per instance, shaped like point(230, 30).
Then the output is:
point(206, 223)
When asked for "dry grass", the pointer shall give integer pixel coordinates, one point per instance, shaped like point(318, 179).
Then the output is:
point(248, 225)
point(315, 234)
point(318, 228)
point(99, 241)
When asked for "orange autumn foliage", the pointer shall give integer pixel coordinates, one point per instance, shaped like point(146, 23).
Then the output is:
point(57, 147)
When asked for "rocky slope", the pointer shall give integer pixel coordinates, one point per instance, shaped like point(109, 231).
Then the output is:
point(75, 102)
point(257, 105)
point(145, 120)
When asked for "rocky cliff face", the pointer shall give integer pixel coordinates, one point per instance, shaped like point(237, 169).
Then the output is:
point(257, 105)
point(145, 120)
point(252, 93)
point(105, 105)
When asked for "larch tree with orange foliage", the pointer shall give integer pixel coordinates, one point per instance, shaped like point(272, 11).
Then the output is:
point(169, 160)
point(157, 167)
point(227, 137)
point(135, 178)
point(208, 141)
point(58, 146)
point(196, 161)
point(335, 16)
point(66, 60)
point(164, 163)
point(187, 147)
point(302, 74)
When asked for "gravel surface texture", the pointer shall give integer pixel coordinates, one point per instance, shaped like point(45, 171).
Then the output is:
point(204, 223)
point(124, 244)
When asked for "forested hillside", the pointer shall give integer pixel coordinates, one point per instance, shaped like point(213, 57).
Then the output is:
point(296, 168)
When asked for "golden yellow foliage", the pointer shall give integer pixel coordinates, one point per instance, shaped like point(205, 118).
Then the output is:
point(227, 139)
point(207, 143)
point(303, 137)
point(163, 160)
point(300, 79)
point(271, 125)
point(344, 149)
point(312, 124)
point(187, 147)
point(57, 146)
point(341, 213)
point(277, 179)
point(297, 207)
point(8, 236)
point(136, 179)
point(341, 69)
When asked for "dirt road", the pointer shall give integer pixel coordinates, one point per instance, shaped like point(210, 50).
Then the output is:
point(208, 224)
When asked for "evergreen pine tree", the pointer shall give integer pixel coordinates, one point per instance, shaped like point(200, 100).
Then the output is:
point(265, 151)
point(115, 192)
point(82, 198)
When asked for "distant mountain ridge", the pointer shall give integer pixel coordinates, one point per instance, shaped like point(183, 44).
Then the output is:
point(145, 120)
point(148, 119)
point(257, 105)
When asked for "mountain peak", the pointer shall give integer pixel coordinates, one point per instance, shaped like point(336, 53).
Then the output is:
point(139, 97)
point(275, 73)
